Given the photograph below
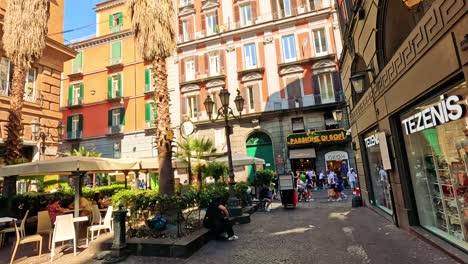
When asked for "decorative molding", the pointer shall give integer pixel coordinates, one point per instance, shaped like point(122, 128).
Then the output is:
point(230, 48)
point(437, 21)
point(207, 5)
point(293, 69)
point(215, 83)
point(186, 11)
point(253, 76)
point(101, 40)
point(323, 64)
point(268, 40)
point(190, 88)
point(108, 4)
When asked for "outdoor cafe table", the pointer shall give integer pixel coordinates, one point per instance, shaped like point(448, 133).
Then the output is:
point(6, 220)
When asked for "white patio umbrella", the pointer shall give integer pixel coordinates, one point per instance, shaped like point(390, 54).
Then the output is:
point(241, 160)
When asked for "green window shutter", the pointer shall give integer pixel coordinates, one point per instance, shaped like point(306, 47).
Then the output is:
point(69, 126)
point(147, 111)
point(153, 111)
point(147, 80)
point(70, 95)
point(81, 91)
point(122, 116)
point(109, 120)
point(120, 85)
point(120, 15)
point(111, 20)
point(80, 123)
point(116, 51)
point(109, 87)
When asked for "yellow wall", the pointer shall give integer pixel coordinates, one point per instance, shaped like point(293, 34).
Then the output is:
point(103, 18)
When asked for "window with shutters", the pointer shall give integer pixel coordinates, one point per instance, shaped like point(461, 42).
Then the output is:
point(286, 9)
point(297, 124)
point(6, 76)
point(30, 85)
point(148, 82)
point(116, 53)
point(325, 82)
point(74, 126)
point(75, 94)
point(245, 15)
point(250, 56)
point(320, 42)
point(211, 24)
point(214, 65)
point(78, 63)
point(150, 115)
point(115, 22)
point(192, 107)
point(115, 86)
point(189, 70)
point(289, 48)
point(116, 120)
point(185, 30)
point(184, 3)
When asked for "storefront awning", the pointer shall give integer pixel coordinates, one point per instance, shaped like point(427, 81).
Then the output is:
point(305, 153)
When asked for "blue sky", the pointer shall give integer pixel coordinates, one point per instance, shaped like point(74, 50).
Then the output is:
point(79, 13)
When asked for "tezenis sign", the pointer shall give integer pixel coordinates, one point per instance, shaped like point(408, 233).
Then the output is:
point(446, 110)
point(318, 137)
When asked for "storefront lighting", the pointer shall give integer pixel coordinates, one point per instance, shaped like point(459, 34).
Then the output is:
point(338, 115)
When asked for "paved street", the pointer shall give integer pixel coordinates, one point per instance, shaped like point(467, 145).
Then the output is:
point(316, 232)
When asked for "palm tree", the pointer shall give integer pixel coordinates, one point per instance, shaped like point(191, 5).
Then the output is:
point(198, 148)
point(24, 36)
point(153, 29)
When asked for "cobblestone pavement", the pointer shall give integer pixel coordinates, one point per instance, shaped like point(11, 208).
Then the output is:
point(316, 232)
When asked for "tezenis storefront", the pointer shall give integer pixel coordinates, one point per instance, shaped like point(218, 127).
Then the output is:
point(320, 150)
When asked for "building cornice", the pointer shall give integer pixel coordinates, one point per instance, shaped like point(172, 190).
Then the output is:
point(108, 4)
point(101, 40)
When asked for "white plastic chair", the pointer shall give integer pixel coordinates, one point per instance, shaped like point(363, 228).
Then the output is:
point(64, 230)
point(21, 239)
point(12, 229)
point(44, 225)
point(96, 214)
point(104, 226)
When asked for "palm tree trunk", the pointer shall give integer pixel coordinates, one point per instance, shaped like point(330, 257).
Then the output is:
point(199, 179)
point(14, 125)
point(163, 126)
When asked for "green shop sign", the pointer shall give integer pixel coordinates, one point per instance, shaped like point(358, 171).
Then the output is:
point(318, 137)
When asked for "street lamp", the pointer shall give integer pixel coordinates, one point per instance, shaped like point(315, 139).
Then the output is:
point(358, 79)
point(38, 134)
point(225, 111)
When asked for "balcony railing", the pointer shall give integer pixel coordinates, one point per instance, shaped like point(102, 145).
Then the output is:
point(115, 61)
point(114, 95)
point(149, 124)
point(264, 17)
point(116, 28)
point(74, 134)
point(116, 129)
point(76, 102)
point(306, 101)
point(4, 91)
point(202, 75)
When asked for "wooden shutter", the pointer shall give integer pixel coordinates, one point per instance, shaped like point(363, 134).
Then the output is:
point(293, 7)
point(244, 93)
point(183, 106)
point(122, 115)
point(197, 105)
point(221, 61)
point(116, 51)
point(256, 97)
point(70, 95)
point(316, 88)
point(80, 125)
point(120, 85)
point(197, 66)
point(236, 14)
point(182, 69)
point(81, 91)
point(337, 86)
point(111, 20)
point(109, 87)
point(147, 80)
point(274, 9)
point(120, 15)
point(147, 111)
point(69, 126)
point(253, 8)
point(203, 23)
point(109, 116)
point(190, 28)
point(207, 63)
point(181, 29)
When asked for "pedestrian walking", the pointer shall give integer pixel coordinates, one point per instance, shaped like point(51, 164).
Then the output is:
point(309, 185)
point(321, 180)
point(331, 183)
point(352, 178)
point(339, 188)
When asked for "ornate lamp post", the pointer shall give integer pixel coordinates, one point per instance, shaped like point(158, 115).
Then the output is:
point(39, 134)
point(226, 112)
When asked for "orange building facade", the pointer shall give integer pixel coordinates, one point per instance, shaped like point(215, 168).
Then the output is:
point(42, 88)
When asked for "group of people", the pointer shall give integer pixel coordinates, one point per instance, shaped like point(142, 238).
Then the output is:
point(54, 208)
point(335, 184)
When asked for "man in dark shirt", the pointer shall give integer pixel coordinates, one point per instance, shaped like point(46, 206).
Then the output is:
point(265, 196)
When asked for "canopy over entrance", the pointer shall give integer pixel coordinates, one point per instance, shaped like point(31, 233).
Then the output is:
point(241, 160)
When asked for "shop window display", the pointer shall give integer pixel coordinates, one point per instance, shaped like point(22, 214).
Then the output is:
point(436, 140)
